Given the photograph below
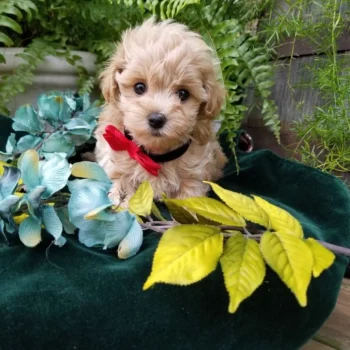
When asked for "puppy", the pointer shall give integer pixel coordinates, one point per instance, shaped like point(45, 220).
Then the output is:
point(161, 91)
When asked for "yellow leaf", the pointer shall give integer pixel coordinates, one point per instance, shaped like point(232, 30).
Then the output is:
point(141, 202)
point(19, 218)
point(2, 164)
point(138, 219)
point(280, 219)
point(186, 254)
point(204, 221)
point(323, 258)
point(291, 258)
point(243, 267)
point(156, 212)
point(180, 214)
point(119, 209)
point(211, 209)
point(243, 205)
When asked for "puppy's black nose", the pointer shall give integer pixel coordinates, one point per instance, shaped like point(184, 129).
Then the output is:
point(156, 120)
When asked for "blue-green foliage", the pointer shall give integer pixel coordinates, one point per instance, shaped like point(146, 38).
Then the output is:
point(89, 210)
point(62, 123)
point(8, 201)
point(89, 207)
point(45, 192)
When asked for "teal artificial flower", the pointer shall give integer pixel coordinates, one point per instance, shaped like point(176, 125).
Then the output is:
point(90, 211)
point(41, 180)
point(61, 123)
point(8, 184)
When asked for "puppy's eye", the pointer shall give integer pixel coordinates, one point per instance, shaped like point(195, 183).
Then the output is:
point(140, 88)
point(183, 94)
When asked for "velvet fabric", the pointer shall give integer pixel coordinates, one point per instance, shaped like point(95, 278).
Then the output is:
point(80, 298)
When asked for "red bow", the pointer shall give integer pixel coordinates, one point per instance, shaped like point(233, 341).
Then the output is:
point(119, 142)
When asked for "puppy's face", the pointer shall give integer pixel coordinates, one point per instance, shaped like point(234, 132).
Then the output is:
point(165, 84)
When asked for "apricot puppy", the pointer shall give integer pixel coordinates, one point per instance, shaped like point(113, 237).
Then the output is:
point(161, 93)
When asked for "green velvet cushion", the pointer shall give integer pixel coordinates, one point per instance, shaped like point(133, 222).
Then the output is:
point(80, 298)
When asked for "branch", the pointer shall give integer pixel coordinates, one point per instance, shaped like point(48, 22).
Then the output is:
point(18, 154)
point(162, 226)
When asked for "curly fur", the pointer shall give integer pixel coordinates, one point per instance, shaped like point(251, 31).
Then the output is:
point(166, 56)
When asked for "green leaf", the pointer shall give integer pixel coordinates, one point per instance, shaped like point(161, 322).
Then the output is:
point(5, 39)
point(10, 23)
point(243, 267)
point(291, 258)
point(211, 209)
point(54, 174)
point(51, 221)
point(131, 243)
point(11, 10)
point(141, 201)
point(28, 163)
point(186, 254)
point(30, 232)
point(243, 205)
point(179, 214)
point(90, 170)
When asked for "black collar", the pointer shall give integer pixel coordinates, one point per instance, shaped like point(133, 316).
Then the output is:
point(165, 157)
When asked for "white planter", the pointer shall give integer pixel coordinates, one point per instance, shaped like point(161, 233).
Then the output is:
point(53, 74)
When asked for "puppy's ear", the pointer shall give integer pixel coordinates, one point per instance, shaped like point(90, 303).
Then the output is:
point(215, 98)
point(203, 131)
point(109, 85)
point(210, 109)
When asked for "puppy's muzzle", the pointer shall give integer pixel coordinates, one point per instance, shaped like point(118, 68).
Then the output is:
point(156, 120)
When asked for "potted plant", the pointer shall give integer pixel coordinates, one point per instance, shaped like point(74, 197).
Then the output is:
point(312, 81)
point(49, 31)
point(55, 45)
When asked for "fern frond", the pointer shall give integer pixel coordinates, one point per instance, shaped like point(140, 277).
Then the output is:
point(13, 8)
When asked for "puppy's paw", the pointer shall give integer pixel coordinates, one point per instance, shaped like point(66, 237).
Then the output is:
point(119, 197)
point(192, 188)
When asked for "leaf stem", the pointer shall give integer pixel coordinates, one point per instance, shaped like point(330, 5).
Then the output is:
point(18, 154)
point(162, 226)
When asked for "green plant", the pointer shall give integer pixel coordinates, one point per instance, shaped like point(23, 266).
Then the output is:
point(9, 9)
point(324, 140)
point(56, 27)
